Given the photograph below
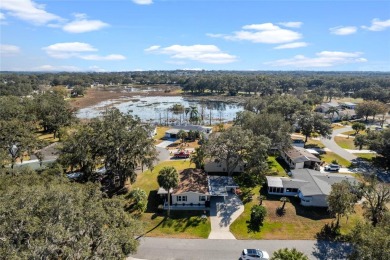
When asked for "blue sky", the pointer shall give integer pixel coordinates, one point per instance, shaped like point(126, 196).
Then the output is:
point(124, 35)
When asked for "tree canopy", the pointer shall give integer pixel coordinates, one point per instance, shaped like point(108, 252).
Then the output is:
point(43, 216)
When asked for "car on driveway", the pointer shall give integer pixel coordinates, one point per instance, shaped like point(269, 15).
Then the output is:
point(332, 167)
point(254, 254)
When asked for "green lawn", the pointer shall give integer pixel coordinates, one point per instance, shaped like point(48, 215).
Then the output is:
point(275, 166)
point(344, 142)
point(181, 224)
point(366, 156)
point(353, 133)
point(298, 222)
point(311, 143)
point(330, 156)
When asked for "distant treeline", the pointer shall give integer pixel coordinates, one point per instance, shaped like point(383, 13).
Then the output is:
point(367, 85)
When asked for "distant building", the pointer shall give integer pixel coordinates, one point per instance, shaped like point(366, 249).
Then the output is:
point(299, 158)
point(348, 105)
point(172, 133)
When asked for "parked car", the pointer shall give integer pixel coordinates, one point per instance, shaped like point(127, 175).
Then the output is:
point(254, 254)
point(75, 176)
point(181, 154)
point(332, 167)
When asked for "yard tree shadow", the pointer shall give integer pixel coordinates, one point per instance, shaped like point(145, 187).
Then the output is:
point(325, 249)
point(150, 230)
point(329, 232)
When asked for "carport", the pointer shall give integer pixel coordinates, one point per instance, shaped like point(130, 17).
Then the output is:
point(219, 186)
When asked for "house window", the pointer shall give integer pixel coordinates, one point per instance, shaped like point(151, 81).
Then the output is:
point(181, 198)
point(291, 190)
point(202, 198)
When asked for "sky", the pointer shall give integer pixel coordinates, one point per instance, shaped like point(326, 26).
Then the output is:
point(141, 35)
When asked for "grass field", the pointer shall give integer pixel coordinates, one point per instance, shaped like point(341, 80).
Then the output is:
point(298, 222)
point(181, 224)
point(275, 166)
point(328, 157)
point(313, 143)
point(366, 156)
point(344, 142)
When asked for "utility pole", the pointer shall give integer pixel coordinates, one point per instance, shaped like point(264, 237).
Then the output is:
point(210, 116)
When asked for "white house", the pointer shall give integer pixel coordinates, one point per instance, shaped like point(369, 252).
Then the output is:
point(172, 133)
point(299, 158)
point(312, 187)
point(192, 191)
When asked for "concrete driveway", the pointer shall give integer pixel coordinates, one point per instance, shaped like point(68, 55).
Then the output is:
point(222, 215)
point(334, 147)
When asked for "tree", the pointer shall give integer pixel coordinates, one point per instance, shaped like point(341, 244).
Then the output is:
point(182, 135)
point(118, 140)
point(360, 141)
point(288, 254)
point(236, 146)
point(332, 111)
point(194, 114)
point(168, 179)
point(314, 123)
point(139, 198)
point(380, 143)
point(44, 216)
point(369, 242)
point(369, 108)
point(198, 157)
point(341, 200)
point(376, 195)
point(357, 126)
point(284, 200)
point(258, 214)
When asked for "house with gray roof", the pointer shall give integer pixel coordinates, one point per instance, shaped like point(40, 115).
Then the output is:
point(312, 187)
point(172, 133)
point(299, 158)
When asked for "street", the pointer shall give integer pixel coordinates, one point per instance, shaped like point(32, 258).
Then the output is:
point(169, 248)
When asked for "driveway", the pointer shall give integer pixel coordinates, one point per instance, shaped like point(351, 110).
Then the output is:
point(222, 215)
point(334, 147)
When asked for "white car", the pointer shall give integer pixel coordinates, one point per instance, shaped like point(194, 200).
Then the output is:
point(254, 254)
point(332, 167)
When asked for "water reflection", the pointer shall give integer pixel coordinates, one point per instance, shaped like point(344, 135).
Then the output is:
point(156, 109)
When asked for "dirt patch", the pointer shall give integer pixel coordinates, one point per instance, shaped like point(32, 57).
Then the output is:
point(95, 96)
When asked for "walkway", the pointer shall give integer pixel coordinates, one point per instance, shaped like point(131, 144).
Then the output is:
point(334, 147)
point(222, 215)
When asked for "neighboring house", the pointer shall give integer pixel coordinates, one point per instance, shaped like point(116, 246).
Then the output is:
point(348, 105)
point(172, 133)
point(312, 187)
point(192, 191)
point(298, 143)
point(324, 107)
point(220, 167)
point(299, 158)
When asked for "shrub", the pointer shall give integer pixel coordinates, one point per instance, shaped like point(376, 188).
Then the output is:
point(258, 214)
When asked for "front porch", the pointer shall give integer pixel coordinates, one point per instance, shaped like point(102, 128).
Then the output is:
point(188, 206)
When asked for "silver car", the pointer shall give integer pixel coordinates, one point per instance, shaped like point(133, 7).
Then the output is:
point(254, 254)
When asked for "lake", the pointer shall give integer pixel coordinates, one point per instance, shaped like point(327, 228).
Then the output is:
point(155, 109)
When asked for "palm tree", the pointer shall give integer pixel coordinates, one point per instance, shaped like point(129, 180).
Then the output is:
point(168, 179)
point(333, 110)
point(194, 114)
point(261, 198)
point(284, 200)
point(198, 157)
point(187, 110)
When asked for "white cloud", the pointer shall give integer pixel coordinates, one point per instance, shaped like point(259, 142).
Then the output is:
point(322, 59)
point(29, 11)
point(292, 45)
point(200, 53)
point(152, 48)
point(262, 33)
point(78, 49)
point(108, 57)
point(343, 30)
point(2, 16)
point(143, 2)
point(81, 24)
point(7, 49)
point(292, 24)
point(378, 25)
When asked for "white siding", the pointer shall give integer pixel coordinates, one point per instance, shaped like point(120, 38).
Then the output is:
point(299, 165)
point(190, 197)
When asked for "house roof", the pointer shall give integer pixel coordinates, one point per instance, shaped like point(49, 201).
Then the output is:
point(309, 182)
point(348, 104)
point(299, 154)
point(187, 128)
point(192, 180)
point(319, 183)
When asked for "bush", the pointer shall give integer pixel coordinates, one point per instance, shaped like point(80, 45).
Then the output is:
point(258, 214)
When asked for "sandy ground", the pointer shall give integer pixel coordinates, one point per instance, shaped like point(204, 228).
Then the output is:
point(95, 96)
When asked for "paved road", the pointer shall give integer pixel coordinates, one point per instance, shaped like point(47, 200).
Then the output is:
point(165, 248)
point(334, 147)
